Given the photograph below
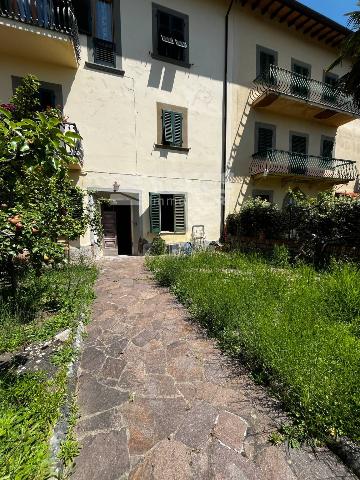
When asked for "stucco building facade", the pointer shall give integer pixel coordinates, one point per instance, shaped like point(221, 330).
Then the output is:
point(176, 131)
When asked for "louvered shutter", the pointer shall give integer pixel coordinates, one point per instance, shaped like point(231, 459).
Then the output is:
point(177, 122)
point(167, 119)
point(298, 144)
point(179, 213)
point(327, 148)
point(154, 208)
point(265, 139)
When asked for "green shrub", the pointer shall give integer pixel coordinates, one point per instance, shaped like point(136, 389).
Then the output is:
point(256, 217)
point(278, 320)
point(158, 246)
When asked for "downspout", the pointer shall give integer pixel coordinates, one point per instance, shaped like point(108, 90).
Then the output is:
point(224, 127)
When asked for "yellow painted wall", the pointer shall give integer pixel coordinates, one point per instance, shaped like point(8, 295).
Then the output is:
point(248, 30)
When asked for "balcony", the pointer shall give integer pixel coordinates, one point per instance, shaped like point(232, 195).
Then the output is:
point(76, 151)
point(41, 30)
point(281, 91)
point(307, 168)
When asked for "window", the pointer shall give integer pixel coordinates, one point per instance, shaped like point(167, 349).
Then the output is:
point(50, 94)
point(266, 195)
point(300, 82)
point(172, 127)
point(167, 213)
point(327, 147)
point(264, 58)
point(170, 34)
point(329, 93)
point(104, 47)
point(264, 137)
point(297, 157)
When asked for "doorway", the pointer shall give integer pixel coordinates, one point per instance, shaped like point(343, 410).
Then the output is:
point(116, 221)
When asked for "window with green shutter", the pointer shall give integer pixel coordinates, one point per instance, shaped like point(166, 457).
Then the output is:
point(154, 208)
point(167, 213)
point(264, 137)
point(172, 124)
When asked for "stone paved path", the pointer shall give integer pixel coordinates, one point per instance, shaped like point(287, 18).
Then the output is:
point(159, 402)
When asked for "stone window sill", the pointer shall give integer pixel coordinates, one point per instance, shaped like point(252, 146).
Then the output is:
point(105, 68)
point(171, 147)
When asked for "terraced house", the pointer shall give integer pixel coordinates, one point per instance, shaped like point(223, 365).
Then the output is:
point(186, 108)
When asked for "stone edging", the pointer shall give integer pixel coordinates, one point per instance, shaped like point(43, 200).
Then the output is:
point(349, 453)
point(62, 425)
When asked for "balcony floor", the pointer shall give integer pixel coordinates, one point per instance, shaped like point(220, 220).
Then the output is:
point(325, 182)
point(299, 107)
point(18, 39)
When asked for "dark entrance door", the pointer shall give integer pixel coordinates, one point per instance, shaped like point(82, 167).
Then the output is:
point(123, 223)
point(116, 220)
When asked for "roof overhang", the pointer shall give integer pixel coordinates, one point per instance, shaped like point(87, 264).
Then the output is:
point(303, 19)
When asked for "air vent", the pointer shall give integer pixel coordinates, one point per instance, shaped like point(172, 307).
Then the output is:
point(104, 52)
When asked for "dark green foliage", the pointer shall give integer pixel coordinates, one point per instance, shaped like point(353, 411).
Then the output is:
point(316, 224)
point(158, 246)
point(257, 217)
point(26, 98)
point(293, 326)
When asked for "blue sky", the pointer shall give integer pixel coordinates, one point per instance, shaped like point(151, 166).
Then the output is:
point(334, 9)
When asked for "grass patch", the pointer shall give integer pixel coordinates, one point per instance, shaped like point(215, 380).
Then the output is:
point(44, 305)
point(30, 403)
point(297, 329)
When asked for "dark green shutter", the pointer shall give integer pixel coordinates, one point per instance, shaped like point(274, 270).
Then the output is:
point(298, 144)
point(172, 128)
point(179, 213)
point(265, 139)
point(167, 127)
point(178, 120)
point(154, 207)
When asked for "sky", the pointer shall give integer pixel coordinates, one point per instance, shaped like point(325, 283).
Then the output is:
point(333, 9)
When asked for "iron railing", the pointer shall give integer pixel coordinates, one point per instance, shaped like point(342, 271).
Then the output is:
point(279, 80)
point(57, 15)
point(280, 162)
point(76, 151)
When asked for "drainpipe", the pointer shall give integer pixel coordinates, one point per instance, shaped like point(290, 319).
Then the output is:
point(224, 127)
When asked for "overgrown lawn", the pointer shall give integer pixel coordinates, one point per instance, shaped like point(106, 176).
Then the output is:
point(297, 329)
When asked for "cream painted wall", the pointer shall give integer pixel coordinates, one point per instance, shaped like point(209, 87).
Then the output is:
point(247, 30)
point(116, 115)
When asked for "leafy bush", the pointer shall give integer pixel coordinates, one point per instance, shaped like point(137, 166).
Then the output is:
point(278, 320)
point(256, 217)
point(317, 224)
point(158, 246)
point(39, 202)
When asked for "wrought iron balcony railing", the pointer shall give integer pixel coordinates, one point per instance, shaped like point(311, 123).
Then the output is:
point(284, 82)
point(57, 15)
point(282, 163)
point(77, 150)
